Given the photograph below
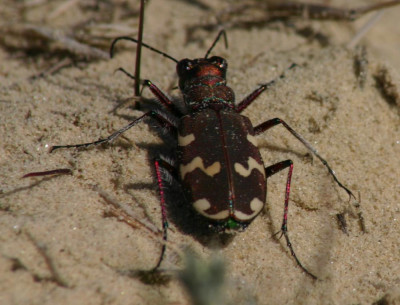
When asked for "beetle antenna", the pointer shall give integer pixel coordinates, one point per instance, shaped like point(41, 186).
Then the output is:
point(143, 44)
point(222, 32)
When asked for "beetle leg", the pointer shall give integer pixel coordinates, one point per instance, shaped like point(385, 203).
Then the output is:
point(271, 123)
point(252, 96)
point(165, 100)
point(269, 171)
point(159, 165)
point(163, 119)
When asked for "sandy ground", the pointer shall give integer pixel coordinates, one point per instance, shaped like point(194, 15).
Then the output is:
point(56, 246)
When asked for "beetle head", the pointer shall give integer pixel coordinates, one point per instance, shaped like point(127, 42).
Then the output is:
point(192, 69)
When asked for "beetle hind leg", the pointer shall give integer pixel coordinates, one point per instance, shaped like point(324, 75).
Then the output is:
point(162, 168)
point(270, 171)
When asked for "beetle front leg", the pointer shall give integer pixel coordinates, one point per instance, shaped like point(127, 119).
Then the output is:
point(271, 123)
point(162, 119)
point(269, 171)
point(165, 100)
point(161, 97)
point(252, 96)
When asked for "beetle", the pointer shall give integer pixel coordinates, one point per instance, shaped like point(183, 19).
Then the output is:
point(217, 160)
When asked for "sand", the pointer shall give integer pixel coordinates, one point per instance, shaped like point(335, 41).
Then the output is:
point(56, 246)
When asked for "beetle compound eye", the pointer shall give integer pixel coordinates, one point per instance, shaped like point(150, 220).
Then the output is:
point(219, 62)
point(223, 64)
point(216, 60)
point(183, 66)
point(188, 65)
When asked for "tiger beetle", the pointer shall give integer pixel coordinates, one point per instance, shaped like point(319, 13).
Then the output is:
point(217, 162)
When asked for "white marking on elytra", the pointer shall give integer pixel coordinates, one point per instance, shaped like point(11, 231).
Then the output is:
point(197, 162)
point(185, 140)
point(256, 206)
point(202, 205)
point(252, 140)
point(251, 164)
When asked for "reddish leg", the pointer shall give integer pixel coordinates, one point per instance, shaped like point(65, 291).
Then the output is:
point(252, 96)
point(165, 100)
point(271, 123)
point(161, 97)
point(269, 171)
point(160, 164)
point(161, 118)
